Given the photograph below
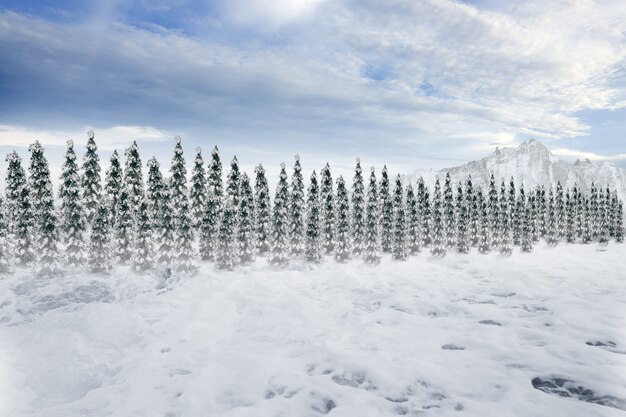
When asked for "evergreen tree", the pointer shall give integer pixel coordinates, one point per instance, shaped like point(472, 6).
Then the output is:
point(280, 221)
point(198, 190)
point(262, 212)
point(551, 227)
point(245, 232)
point(214, 180)
point(113, 187)
point(518, 216)
point(154, 195)
point(6, 257)
point(358, 210)
point(165, 234)
point(296, 211)
point(178, 179)
point(312, 248)
point(398, 242)
point(183, 244)
point(343, 252)
point(493, 207)
point(233, 183)
point(414, 226)
point(226, 251)
point(587, 226)
point(511, 205)
point(570, 218)
point(533, 219)
point(603, 218)
point(472, 212)
point(100, 240)
point(386, 212)
point(579, 200)
point(90, 180)
point(19, 211)
point(484, 223)
point(143, 251)
point(73, 216)
point(542, 210)
point(15, 180)
point(525, 229)
point(593, 211)
point(328, 211)
point(370, 250)
point(124, 228)
point(449, 226)
point(437, 247)
point(210, 226)
point(133, 178)
point(46, 221)
point(423, 204)
point(560, 211)
point(461, 221)
point(504, 226)
point(619, 221)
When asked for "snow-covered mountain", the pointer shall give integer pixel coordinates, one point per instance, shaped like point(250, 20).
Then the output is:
point(532, 163)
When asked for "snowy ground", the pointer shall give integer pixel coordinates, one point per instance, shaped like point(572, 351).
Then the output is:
point(459, 336)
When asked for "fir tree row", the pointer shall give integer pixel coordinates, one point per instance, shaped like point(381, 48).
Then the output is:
point(166, 222)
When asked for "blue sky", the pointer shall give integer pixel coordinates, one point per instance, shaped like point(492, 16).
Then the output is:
point(412, 84)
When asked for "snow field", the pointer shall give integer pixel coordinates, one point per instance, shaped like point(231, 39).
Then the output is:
point(460, 336)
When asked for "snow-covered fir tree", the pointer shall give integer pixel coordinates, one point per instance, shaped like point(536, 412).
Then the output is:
point(484, 223)
point(437, 246)
point(603, 218)
point(560, 211)
point(280, 221)
point(209, 227)
point(462, 220)
point(245, 232)
point(19, 214)
point(100, 256)
point(262, 208)
point(542, 210)
point(178, 178)
point(312, 246)
point(226, 251)
point(6, 257)
point(72, 214)
point(296, 212)
point(504, 241)
point(123, 243)
point(90, 180)
point(570, 217)
point(183, 244)
point(370, 248)
point(586, 235)
point(343, 251)
point(386, 212)
point(511, 203)
point(46, 222)
point(423, 204)
point(552, 237)
point(113, 185)
point(155, 187)
point(579, 203)
point(472, 212)
point(143, 250)
point(398, 242)
point(198, 190)
point(519, 212)
point(493, 210)
point(593, 211)
point(214, 176)
point(165, 234)
point(133, 178)
point(233, 182)
point(449, 217)
point(358, 210)
point(619, 221)
point(525, 237)
point(414, 235)
point(532, 212)
point(15, 181)
point(327, 201)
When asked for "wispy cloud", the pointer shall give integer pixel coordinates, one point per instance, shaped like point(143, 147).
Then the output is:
point(572, 153)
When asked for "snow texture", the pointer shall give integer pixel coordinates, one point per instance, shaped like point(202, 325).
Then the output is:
point(464, 335)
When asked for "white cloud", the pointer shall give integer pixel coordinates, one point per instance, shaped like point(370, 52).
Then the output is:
point(269, 13)
point(106, 138)
point(572, 153)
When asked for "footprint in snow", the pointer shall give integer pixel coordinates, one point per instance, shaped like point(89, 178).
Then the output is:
point(450, 346)
point(490, 322)
point(567, 388)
